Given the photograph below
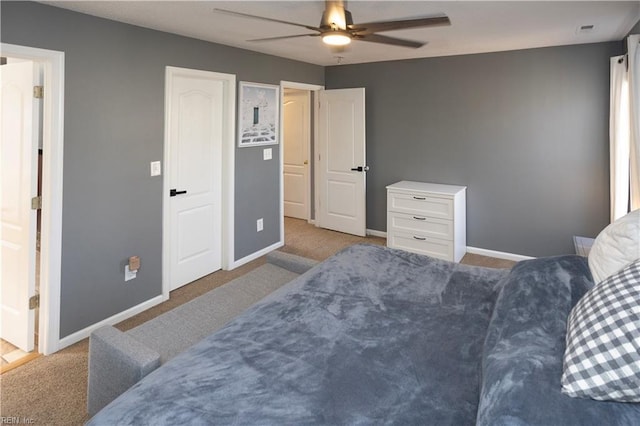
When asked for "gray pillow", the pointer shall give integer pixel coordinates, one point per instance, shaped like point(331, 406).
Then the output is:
point(602, 357)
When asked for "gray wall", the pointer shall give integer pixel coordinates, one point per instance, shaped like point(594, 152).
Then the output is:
point(526, 132)
point(114, 118)
point(635, 29)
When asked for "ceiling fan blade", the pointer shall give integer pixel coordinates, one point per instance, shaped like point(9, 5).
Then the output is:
point(284, 37)
point(377, 38)
point(246, 15)
point(374, 27)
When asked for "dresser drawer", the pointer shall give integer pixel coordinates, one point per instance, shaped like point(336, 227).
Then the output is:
point(420, 205)
point(418, 224)
point(433, 247)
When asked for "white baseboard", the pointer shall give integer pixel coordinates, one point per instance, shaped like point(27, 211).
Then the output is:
point(86, 332)
point(497, 254)
point(256, 255)
point(375, 233)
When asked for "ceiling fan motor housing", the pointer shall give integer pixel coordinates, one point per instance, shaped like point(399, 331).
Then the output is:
point(335, 17)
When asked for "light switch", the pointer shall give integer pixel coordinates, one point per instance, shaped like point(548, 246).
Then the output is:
point(267, 154)
point(156, 169)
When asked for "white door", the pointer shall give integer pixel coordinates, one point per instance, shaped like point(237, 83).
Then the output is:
point(341, 159)
point(19, 135)
point(194, 165)
point(296, 153)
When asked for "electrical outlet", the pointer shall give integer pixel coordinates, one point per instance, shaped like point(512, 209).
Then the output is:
point(259, 224)
point(129, 274)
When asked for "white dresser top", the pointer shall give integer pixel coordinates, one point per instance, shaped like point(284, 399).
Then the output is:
point(434, 188)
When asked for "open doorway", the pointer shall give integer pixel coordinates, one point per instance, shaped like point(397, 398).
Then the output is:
point(296, 146)
point(299, 115)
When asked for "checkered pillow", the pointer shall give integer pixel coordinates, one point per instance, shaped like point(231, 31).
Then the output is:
point(602, 357)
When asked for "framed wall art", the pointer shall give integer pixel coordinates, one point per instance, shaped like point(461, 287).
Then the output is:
point(259, 106)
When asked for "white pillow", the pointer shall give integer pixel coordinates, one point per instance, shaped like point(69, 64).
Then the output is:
point(615, 247)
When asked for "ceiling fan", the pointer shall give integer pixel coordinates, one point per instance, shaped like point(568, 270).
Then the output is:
point(337, 28)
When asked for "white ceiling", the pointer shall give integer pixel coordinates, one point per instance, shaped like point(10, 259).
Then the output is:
point(476, 26)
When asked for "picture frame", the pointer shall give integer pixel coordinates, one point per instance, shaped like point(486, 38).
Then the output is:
point(259, 109)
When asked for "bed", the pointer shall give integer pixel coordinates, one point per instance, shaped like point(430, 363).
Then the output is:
point(381, 336)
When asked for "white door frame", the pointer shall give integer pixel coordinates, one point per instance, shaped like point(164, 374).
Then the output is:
point(314, 131)
point(228, 170)
point(52, 172)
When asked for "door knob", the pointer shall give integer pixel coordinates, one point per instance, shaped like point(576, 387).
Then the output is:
point(174, 192)
point(360, 169)
point(306, 162)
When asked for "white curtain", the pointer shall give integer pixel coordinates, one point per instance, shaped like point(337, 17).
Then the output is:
point(624, 130)
point(633, 50)
point(619, 138)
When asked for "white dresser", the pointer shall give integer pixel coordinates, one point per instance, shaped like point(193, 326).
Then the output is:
point(427, 218)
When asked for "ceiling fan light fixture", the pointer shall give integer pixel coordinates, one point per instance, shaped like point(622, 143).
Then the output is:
point(336, 38)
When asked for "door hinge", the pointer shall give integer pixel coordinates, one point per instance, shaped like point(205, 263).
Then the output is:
point(38, 92)
point(34, 302)
point(36, 203)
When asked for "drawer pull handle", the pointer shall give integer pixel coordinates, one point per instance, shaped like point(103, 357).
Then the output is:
point(419, 238)
point(419, 198)
point(419, 218)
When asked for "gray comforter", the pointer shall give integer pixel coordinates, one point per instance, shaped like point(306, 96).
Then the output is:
point(370, 336)
point(522, 357)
